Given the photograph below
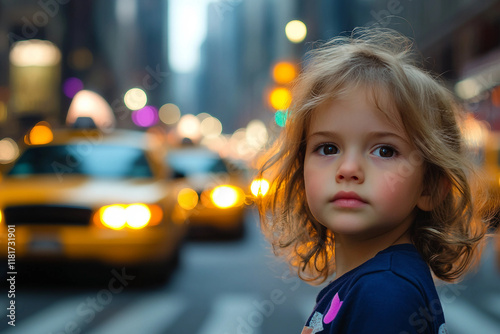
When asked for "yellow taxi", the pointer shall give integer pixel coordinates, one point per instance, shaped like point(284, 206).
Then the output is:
point(80, 194)
point(214, 196)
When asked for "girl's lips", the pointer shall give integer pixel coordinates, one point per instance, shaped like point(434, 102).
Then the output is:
point(348, 200)
point(348, 203)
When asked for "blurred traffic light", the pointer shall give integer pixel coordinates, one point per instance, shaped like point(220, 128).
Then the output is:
point(284, 72)
point(280, 117)
point(280, 98)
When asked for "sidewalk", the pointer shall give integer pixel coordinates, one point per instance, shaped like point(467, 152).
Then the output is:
point(472, 306)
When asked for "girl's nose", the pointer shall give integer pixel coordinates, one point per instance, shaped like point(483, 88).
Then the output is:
point(350, 169)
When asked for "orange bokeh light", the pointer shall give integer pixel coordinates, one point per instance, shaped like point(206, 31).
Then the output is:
point(284, 72)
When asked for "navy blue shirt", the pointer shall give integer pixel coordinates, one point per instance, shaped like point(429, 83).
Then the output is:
point(391, 293)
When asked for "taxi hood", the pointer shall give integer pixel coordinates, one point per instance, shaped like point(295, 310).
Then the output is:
point(80, 190)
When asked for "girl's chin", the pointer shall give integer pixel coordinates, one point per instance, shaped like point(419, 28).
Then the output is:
point(348, 227)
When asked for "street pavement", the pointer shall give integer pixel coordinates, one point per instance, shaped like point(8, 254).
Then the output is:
point(472, 306)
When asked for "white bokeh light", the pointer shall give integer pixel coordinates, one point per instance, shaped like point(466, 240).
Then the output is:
point(189, 127)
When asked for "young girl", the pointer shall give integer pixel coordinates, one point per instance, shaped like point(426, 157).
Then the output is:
point(371, 183)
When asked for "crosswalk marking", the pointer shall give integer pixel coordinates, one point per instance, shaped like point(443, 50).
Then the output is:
point(52, 320)
point(233, 313)
point(150, 315)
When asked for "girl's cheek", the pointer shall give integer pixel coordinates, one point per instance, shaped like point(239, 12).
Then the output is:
point(391, 185)
point(313, 185)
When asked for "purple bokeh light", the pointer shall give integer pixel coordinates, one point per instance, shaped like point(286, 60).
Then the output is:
point(145, 117)
point(71, 86)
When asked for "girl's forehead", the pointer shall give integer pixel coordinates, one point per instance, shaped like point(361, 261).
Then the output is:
point(377, 99)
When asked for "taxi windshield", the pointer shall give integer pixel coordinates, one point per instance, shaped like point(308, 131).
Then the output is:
point(188, 163)
point(95, 160)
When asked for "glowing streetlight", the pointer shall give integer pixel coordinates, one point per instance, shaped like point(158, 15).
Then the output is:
point(296, 31)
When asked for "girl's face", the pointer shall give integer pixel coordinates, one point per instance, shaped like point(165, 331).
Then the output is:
point(363, 177)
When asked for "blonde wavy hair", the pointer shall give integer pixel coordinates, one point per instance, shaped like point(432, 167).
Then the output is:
point(448, 236)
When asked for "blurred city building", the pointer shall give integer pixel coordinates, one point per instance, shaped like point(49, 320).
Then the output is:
point(458, 40)
point(113, 46)
point(109, 46)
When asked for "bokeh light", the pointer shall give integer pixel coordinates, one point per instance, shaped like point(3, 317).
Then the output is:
point(135, 99)
point(80, 59)
point(211, 127)
point(9, 151)
point(216, 143)
point(239, 148)
point(259, 187)
point(225, 196)
point(34, 52)
point(187, 198)
point(475, 132)
point(169, 113)
point(296, 31)
point(467, 88)
point(280, 98)
point(203, 115)
point(138, 215)
point(284, 72)
point(280, 117)
point(145, 117)
point(189, 127)
point(40, 134)
point(256, 134)
point(113, 216)
point(71, 86)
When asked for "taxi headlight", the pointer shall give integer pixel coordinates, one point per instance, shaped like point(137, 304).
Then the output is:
point(113, 216)
point(138, 215)
point(135, 216)
point(227, 196)
point(259, 187)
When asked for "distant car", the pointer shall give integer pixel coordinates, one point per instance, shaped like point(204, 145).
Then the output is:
point(215, 192)
point(90, 196)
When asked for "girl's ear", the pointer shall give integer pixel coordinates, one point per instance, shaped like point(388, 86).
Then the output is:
point(426, 202)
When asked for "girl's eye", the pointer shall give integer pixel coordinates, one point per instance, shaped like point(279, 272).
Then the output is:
point(385, 152)
point(327, 149)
